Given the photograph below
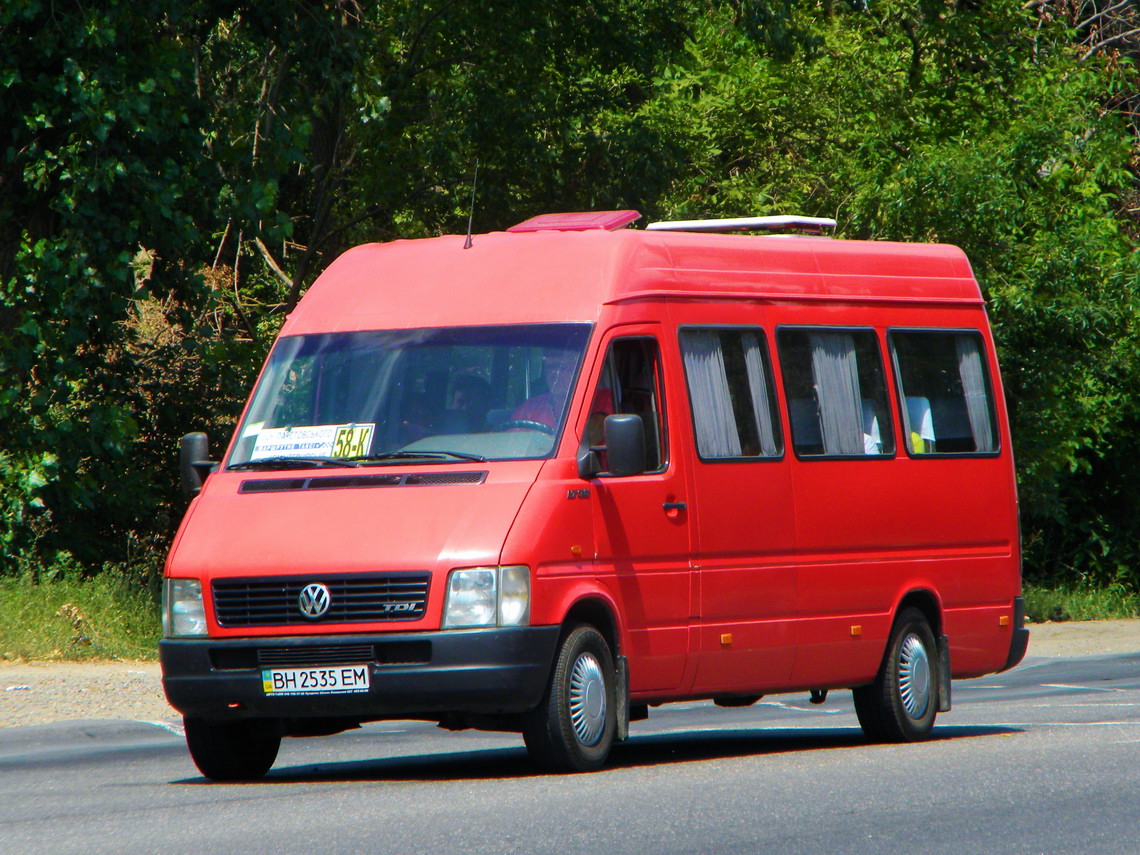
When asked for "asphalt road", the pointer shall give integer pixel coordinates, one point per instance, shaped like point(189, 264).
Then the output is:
point(1045, 758)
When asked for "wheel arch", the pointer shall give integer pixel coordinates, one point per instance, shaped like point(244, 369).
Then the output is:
point(927, 602)
point(596, 611)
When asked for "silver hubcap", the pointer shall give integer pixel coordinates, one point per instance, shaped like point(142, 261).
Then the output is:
point(587, 699)
point(914, 676)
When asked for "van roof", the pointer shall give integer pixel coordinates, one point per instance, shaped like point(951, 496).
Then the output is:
point(552, 275)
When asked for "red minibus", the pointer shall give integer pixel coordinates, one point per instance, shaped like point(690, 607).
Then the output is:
point(545, 479)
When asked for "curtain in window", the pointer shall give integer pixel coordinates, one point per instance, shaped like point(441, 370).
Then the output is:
point(758, 386)
point(709, 393)
point(836, 376)
point(974, 387)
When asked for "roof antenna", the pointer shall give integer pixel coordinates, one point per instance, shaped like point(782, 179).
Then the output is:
point(471, 216)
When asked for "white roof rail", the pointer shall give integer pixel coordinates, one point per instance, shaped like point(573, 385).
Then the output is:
point(781, 223)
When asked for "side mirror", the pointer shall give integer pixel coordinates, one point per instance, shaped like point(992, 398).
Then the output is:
point(624, 449)
point(625, 444)
point(194, 462)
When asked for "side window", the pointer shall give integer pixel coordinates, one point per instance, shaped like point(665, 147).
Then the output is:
point(729, 378)
point(837, 397)
point(947, 400)
point(631, 383)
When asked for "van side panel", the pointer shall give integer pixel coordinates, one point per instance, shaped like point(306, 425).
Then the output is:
point(745, 573)
point(870, 531)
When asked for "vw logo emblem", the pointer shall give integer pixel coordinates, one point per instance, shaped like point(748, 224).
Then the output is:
point(314, 600)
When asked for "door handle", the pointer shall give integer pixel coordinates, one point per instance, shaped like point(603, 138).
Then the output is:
point(675, 506)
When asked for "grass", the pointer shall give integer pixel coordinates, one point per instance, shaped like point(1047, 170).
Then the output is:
point(112, 615)
point(1060, 604)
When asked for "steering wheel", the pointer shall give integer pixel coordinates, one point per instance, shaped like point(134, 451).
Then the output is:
point(527, 424)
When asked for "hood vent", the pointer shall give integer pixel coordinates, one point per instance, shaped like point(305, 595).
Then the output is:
point(344, 482)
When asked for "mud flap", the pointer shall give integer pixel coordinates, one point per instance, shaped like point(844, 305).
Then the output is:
point(943, 674)
point(1019, 642)
point(622, 691)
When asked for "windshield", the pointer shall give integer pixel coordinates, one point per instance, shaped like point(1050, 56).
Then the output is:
point(430, 395)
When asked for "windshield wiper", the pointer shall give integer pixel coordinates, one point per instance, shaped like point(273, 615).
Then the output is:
point(295, 463)
point(415, 455)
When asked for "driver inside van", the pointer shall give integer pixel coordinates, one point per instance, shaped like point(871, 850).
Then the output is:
point(544, 410)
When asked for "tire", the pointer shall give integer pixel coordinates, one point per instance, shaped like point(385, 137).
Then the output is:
point(902, 702)
point(241, 750)
point(573, 729)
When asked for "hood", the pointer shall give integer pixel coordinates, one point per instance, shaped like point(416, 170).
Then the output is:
point(274, 523)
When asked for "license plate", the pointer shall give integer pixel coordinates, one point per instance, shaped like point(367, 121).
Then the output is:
point(315, 681)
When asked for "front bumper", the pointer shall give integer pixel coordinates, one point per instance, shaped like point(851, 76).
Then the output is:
point(412, 675)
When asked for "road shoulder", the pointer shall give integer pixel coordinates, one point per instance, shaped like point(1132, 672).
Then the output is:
point(36, 693)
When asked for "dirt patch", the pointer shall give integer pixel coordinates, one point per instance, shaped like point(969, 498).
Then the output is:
point(1072, 639)
point(42, 692)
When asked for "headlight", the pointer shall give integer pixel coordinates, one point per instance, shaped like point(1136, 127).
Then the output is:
point(470, 598)
point(182, 610)
point(487, 596)
point(514, 596)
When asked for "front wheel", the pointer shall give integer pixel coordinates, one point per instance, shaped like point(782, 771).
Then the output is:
point(239, 750)
point(900, 705)
point(572, 730)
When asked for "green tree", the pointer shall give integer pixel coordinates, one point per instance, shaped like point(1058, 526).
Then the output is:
point(175, 176)
point(974, 124)
point(102, 159)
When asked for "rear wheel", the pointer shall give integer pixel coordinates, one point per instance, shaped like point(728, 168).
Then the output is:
point(573, 728)
point(240, 750)
point(901, 704)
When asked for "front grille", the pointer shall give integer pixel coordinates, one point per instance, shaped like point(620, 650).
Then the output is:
point(329, 655)
point(357, 598)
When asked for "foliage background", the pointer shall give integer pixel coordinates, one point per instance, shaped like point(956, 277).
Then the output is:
point(175, 174)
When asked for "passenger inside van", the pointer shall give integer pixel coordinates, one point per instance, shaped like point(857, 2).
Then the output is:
point(468, 405)
point(921, 424)
point(872, 439)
